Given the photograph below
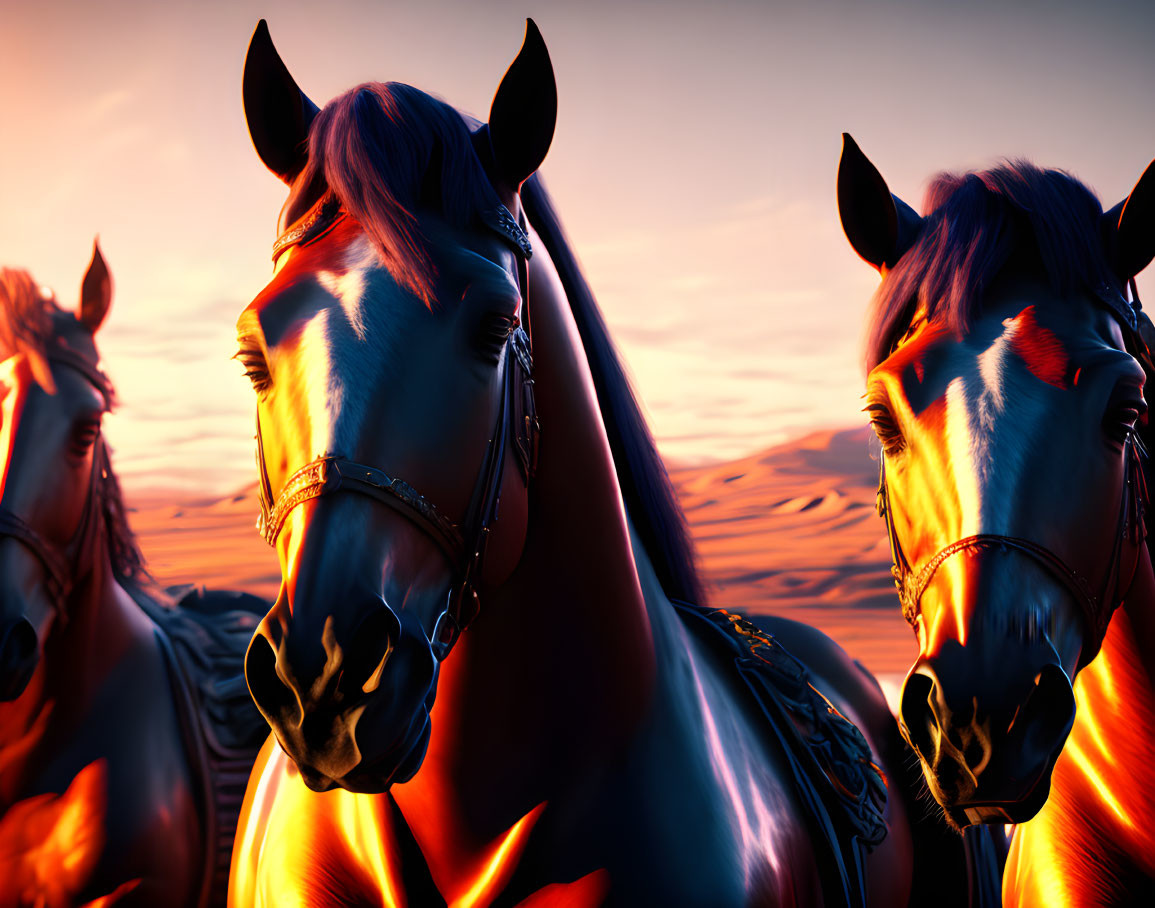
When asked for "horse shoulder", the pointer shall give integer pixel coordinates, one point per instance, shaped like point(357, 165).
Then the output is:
point(129, 734)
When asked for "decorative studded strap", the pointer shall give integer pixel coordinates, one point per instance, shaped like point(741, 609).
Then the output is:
point(327, 475)
point(911, 586)
point(1097, 609)
point(318, 221)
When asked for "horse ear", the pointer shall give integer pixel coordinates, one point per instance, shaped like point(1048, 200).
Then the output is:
point(524, 112)
point(95, 291)
point(278, 113)
point(879, 225)
point(1129, 228)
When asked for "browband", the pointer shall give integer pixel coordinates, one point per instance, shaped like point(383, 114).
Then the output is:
point(327, 212)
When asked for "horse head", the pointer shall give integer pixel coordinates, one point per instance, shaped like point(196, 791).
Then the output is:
point(391, 363)
point(1006, 373)
point(54, 397)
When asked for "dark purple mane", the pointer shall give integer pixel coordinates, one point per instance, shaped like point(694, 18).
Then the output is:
point(1042, 221)
point(385, 149)
point(26, 316)
point(29, 322)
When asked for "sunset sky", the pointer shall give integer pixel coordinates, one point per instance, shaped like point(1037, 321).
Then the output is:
point(693, 164)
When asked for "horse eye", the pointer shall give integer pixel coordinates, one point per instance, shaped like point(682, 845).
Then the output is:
point(84, 435)
point(886, 428)
point(256, 369)
point(1119, 423)
point(492, 334)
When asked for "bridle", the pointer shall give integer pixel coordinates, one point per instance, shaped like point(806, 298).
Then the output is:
point(463, 545)
point(1097, 602)
point(63, 565)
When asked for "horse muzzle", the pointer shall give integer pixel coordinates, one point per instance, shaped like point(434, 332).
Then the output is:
point(350, 712)
point(988, 746)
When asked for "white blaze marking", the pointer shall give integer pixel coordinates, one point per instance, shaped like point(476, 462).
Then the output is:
point(348, 285)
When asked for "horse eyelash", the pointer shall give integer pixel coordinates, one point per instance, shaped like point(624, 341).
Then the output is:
point(885, 427)
point(256, 369)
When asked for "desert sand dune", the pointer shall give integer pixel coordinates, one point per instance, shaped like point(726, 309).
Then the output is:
point(791, 530)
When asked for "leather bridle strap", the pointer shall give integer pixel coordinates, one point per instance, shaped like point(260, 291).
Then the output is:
point(327, 475)
point(464, 547)
point(55, 564)
point(1096, 609)
point(61, 569)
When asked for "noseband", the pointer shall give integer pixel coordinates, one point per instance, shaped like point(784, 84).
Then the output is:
point(464, 545)
point(1097, 607)
point(63, 567)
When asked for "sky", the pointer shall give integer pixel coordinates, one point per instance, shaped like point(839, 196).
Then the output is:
point(693, 165)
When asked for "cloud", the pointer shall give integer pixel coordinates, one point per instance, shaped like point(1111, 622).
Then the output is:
point(103, 106)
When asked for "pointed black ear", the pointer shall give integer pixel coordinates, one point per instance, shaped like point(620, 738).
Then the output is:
point(1129, 228)
point(524, 112)
point(277, 111)
point(95, 291)
point(879, 225)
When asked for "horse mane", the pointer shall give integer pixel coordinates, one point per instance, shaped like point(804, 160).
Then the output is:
point(128, 565)
point(1017, 213)
point(383, 149)
point(29, 320)
point(649, 496)
point(26, 314)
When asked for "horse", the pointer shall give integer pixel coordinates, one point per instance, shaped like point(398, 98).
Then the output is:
point(126, 732)
point(1008, 358)
point(442, 422)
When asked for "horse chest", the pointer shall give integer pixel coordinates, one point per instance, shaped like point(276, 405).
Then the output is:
point(295, 846)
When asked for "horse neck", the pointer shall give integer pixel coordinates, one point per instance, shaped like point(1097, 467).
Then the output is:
point(1104, 771)
point(76, 656)
point(555, 674)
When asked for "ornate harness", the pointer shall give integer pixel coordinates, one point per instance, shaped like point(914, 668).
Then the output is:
point(463, 545)
point(1097, 608)
point(63, 566)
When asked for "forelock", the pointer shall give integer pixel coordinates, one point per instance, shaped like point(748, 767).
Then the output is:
point(1043, 221)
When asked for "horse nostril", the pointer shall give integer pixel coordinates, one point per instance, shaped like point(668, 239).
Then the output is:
point(273, 697)
point(371, 646)
point(19, 653)
point(1046, 717)
point(916, 713)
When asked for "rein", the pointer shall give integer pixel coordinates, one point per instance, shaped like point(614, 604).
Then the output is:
point(1097, 608)
point(463, 546)
point(64, 566)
